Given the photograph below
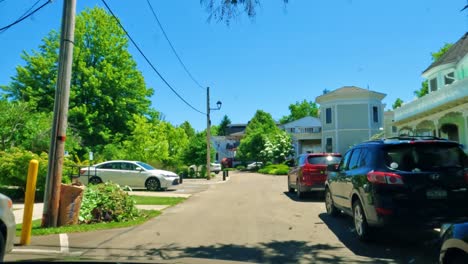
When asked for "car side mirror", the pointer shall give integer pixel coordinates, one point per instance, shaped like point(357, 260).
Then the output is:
point(332, 167)
point(139, 169)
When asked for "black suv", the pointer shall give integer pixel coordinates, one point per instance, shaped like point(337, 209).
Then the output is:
point(401, 182)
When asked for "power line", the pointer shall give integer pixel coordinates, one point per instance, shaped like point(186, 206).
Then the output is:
point(149, 62)
point(24, 16)
point(172, 46)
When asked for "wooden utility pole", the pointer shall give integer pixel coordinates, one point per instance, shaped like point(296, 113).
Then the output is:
point(59, 125)
point(208, 135)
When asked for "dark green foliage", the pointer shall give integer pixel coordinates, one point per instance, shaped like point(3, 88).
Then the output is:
point(107, 202)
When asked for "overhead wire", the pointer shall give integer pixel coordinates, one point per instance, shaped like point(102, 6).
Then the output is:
point(25, 15)
point(149, 62)
point(172, 46)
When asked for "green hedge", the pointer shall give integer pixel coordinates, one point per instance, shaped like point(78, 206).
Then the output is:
point(275, 169)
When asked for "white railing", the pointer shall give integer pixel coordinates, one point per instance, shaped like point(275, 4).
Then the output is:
point(449, 94)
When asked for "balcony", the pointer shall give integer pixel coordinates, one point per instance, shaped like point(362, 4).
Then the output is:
point(305, 133)
point(447, 97)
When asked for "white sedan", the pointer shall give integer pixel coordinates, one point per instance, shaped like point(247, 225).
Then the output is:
point(255, 165)
point(215, 167)
point(135, 174)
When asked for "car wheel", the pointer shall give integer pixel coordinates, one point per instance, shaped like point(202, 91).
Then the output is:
point(360, 222)
point(331, 209)
point(299, 194)
point(152, 184)
point(290, 189)
point(2, 247)
point(456, 257)
point(95, 180)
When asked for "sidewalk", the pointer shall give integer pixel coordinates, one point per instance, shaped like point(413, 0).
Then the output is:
point(18, 209)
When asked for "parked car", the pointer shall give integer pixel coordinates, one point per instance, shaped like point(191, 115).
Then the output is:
point(400, 182)
point(454, 249)
point(254, 165)
point(310, 172)
point(7, 226)
point(135, 174)
point(215, 167)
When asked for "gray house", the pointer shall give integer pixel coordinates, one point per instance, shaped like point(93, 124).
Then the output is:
point(306, 134)
point(349, 115)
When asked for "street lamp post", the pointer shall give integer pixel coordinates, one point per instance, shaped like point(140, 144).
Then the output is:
point(208, 131)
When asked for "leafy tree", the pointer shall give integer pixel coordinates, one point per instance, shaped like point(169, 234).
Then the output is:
point(196, 150)
point(222, 128)
point(260, 128)
point(398, 102)
point(278, 148)
point(148, 142)
point(189, 130)
point(106, 87)
point(226, 10)
point(300, 110)
point(424, 89)
point(435, 57)
point(13, 117)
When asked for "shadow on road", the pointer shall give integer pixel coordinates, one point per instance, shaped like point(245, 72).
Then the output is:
point(402, 246)
point(311, 197)
point(272, 252)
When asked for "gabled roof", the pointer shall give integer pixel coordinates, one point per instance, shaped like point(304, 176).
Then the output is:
point(307, 121)
point(454, 54)
point(348, 92)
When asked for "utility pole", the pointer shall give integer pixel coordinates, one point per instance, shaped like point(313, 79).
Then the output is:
point(208, 135)
point(208, 131)
point(59, 125)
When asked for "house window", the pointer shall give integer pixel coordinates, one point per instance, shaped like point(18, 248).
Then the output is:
point(329, 145)
point(394, 129)
point(328, 115)
point(433, 84)
point(375, 114)
point(449, 78)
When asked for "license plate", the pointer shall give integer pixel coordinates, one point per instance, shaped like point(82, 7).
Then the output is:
point(436, 194)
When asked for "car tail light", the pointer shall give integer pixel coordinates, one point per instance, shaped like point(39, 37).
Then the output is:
point(383, 211)
point(384, 178)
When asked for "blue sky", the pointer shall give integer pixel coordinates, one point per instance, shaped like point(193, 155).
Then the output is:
point(287, 53)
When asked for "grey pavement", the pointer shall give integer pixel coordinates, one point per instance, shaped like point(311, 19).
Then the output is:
point(251, 219)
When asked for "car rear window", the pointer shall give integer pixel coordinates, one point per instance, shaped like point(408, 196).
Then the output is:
point(324, 159)
point(424, 157)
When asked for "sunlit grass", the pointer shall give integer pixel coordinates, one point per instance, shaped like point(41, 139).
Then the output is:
point(37, 230)
point(151, 200)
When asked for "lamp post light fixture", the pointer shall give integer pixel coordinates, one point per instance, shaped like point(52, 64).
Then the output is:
point(208, 131)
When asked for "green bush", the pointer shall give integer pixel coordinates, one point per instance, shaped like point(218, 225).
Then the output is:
point(183, 171)
point(14, 164)
point(107, 202)
point(275, 169)
point(240, 167)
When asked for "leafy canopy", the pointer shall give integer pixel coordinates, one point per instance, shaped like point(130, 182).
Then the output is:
point(106, 87)
point(299, 110)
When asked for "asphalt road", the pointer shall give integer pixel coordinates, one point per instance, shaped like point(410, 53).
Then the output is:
point(251, 218)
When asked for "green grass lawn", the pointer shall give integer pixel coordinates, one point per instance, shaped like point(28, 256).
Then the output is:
point(151, 200)
point(37, 230)
point(145, 215)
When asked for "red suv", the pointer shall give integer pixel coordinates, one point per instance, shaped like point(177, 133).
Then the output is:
point(310, 172)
